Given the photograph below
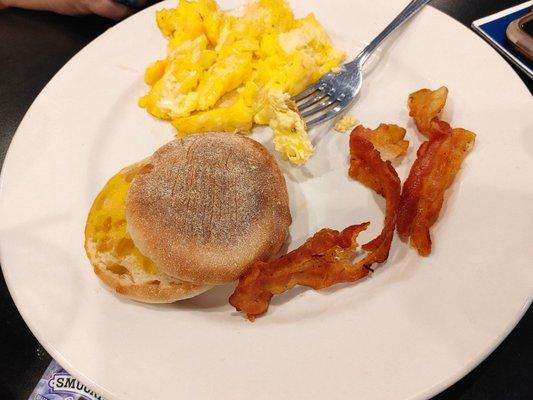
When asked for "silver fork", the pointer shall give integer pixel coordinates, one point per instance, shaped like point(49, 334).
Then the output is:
point(336, 90)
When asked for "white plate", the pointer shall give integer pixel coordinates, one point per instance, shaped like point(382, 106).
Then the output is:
point(416, 326)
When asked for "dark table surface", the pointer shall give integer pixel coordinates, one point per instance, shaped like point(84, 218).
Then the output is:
point(35, 45)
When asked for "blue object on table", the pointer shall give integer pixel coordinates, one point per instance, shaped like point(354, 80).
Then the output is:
point(493, 27)
point(58, 384)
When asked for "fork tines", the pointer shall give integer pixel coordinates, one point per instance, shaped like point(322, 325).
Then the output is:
point(318, 99)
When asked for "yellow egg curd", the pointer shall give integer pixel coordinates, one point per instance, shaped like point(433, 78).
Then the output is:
point(226, 71)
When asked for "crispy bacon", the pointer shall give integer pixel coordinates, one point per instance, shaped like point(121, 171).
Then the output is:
point(388, 139)
point(322, 261)
point(326, 258)
point(425, 105)
point(438, 161)
point(368, 168)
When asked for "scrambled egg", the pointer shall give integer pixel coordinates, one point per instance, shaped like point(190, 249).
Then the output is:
point(106, 223)
point(225, 72)
point(345, 123)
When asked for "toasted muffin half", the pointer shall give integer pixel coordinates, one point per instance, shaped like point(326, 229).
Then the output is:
point(205, 207)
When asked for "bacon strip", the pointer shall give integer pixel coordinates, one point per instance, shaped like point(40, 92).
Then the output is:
point(388, 139)
point(322, 261)
point(368, 168)
point(426, 104)
point(438, 161)
point(326, 258)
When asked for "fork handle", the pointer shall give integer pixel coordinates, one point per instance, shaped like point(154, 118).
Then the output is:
point(411, 9)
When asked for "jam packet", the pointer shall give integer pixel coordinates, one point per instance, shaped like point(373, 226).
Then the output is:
point(58, 384)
